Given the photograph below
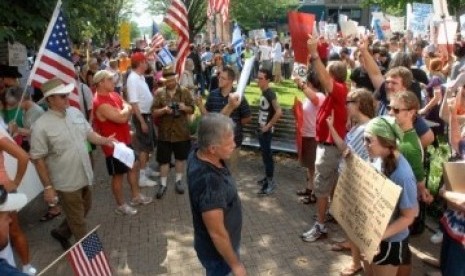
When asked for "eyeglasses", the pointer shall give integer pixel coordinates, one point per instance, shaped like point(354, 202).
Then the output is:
point(367, 140)
point(396, 110)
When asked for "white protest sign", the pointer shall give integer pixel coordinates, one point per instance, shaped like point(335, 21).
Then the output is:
point(383, 22)
point(409, 14)
point(17, 54)
point(331, 31)
point(124, 154)
point(361, 30)
point(363, 203)
point(446, 32)
point(349, 28)
point(245, 74)
point(440, 9)
point(259, 34)
point(343, 18)
point(397, 24)
point(462, 25)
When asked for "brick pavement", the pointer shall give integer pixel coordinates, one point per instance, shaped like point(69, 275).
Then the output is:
point(158, 241)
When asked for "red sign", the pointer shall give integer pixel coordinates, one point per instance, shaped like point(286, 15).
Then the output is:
point(300, 26)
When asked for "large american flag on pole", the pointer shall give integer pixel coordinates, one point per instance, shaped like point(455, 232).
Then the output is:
point(176, 18)
point(88, 258)
point(54, 57)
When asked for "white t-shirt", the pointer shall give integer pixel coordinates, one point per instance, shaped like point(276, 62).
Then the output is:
point(265, 52)
point(139, 92)
point(310, 112)
point(277, 53)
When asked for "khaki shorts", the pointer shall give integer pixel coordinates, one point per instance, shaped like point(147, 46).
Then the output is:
point(276, 68)
point(326, 169)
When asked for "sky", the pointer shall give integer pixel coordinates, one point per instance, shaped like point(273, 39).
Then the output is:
point(142, 18)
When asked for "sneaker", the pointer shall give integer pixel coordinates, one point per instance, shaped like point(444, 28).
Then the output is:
point(261, 182)
point(328, 217)
point(29, 270)
point(179, 187)
point(145, 182)
point(437, 237)
point(126, 210)
point(268, 188)
point(141, 199)
point(317, 232)
point(151, 173)
point(161, 191)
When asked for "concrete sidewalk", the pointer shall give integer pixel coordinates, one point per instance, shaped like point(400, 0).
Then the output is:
point(159, 240)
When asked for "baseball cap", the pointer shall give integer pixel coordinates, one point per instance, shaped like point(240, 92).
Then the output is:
point(138, 57)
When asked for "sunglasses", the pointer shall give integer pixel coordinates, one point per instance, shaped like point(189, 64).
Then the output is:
point(396, 110)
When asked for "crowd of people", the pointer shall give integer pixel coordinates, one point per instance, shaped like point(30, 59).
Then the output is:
point(385, 101)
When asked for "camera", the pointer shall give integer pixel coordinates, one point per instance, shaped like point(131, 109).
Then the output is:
point(176, 111)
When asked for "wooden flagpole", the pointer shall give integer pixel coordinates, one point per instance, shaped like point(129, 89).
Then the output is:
point(67, 251)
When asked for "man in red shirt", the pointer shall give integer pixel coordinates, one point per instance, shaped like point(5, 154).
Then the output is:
point(111, 116)
point(333, 85)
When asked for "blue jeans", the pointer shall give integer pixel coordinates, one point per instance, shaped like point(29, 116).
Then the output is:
point(264, 139)
point(216, 267)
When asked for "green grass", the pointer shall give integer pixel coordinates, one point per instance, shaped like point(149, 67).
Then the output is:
point(285, 91)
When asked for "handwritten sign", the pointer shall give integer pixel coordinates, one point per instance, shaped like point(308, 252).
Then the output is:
point(397, 24)
point(420, 18)
point(446, 32)
point(17, 54)
point(363, 203)
point(124, 154)
point(381, 25)
point(331, 31)
point(349, 28)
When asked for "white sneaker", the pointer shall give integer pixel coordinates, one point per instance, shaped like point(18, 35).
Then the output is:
point(437, 237)
point(151, 173)
point(141, 199)
point(126, 210)
point(29, 270)
point(145, 182)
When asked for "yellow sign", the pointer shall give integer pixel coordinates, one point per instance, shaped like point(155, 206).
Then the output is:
point(125, 35)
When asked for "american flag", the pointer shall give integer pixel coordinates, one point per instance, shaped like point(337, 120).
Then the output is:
point(176, 18)
point(221, 6)
point(54, 57)
point(88, 258)
point(157, 37)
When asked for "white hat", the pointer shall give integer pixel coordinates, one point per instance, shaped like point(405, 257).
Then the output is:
point(13, 201)
point(457, 83)
point(101, 75)
point(56, 86)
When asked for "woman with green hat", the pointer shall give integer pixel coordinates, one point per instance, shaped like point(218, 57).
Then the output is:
point(381, 135)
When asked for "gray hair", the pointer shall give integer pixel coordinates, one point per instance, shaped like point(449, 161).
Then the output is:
point(212, 129)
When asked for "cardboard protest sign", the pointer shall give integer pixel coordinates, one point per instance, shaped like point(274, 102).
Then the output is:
point(420, 18)
point(17, 54)
point(363, 203)
point(349, 28)
point(300, 26)
point(454, 176)
point(331, 31)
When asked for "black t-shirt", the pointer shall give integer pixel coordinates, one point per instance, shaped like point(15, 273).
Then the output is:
point(266, 111)
point(212, 188)
point(420, 75)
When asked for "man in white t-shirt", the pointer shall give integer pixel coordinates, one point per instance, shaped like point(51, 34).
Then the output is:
point(277, 56)
point(265, 55)
point(141, 99)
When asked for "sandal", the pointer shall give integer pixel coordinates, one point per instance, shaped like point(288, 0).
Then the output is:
point(339, 247)
point(304, 192)
point(308, 199)
point(49, 216)
point(350, 270)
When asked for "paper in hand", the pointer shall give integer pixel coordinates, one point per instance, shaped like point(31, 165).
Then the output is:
point(124, 154)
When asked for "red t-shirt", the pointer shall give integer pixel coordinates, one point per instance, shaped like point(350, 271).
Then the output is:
point(107, 127)
point(336, 100)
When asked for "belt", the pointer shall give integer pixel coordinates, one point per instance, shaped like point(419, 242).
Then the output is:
point(145, 114)
point(328, 144)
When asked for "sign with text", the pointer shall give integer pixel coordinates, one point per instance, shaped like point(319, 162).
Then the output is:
point(17, 54)
point(300, 26)
point(420, 18)
point(381, 25)
point(331, 31)
point(349, 28)
point(363, 203)
point(446, 32)
point(397, 24)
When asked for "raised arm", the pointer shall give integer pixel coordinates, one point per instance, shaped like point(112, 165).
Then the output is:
point(371, 66)
point(315, 62)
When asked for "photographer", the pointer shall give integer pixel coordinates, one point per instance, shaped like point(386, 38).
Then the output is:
point(172, 105)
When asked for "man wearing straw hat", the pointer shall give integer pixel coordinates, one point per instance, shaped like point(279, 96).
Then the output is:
point(59, 152)
point(172, 105)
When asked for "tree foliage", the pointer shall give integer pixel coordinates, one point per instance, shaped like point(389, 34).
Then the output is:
point(197, 13)
point(398, 7)
point(27, 21)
